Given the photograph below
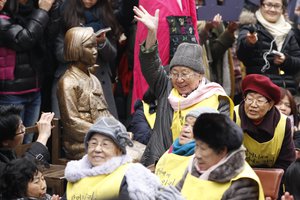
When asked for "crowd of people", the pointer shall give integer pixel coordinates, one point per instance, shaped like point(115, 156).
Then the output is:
point(219, 98)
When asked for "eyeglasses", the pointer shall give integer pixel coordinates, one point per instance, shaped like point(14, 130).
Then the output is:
point(269, 6)
point(185, 75)
point(259, 102)
point(106, 144)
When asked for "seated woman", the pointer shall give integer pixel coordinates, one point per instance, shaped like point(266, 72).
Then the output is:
point(219, 163)
point(267, 132)
point(12, 133)
point(106, 172)
point(171, 166)
point(80, 95)
point(23, 179)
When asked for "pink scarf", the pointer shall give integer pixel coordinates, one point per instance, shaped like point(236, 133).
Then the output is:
point(203, 91)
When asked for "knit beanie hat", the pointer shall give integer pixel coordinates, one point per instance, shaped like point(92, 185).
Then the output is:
point(218, 131)
point(111, 128)
point(188, 55)
point(198, 111)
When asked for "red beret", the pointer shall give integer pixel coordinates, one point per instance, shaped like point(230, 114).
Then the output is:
point(262, 85)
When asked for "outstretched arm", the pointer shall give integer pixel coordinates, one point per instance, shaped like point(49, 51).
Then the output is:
point(151, 22)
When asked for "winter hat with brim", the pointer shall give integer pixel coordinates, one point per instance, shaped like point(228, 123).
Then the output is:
point(198, 111)
point(188, 55)
point(218, 131)
point(111, 128)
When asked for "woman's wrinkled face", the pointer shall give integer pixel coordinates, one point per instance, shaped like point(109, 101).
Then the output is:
point(257, 106)
point(101, 149)
point(271, 10)
point(89, 51)
point(184, 79)
point(206, 157)
point(89, 3)
point(186, 134)
point(37, 188)
point(284, 106)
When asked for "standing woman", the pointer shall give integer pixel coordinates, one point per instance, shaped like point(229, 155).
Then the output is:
point(24, 53)
point(97, 14)
point(264, 32)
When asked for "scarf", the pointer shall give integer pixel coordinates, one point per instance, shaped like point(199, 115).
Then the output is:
point(205, 175)
point(203, 91)
point(278, 30)
point(78, 169)
point(183, 150)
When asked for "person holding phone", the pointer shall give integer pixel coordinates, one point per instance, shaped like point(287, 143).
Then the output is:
point(98, 15)
point(262, 32)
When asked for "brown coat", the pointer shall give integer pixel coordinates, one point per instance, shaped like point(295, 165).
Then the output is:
point(81, 102)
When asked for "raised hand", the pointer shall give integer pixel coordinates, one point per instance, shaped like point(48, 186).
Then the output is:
point(151, 22)
point(44, 127)
point(142, 15)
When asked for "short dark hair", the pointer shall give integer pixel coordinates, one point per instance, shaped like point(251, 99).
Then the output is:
point(292, 179)
point(16, 176)
point(9, 121)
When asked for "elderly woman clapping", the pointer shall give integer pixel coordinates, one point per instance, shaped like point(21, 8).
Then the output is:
point(183, 89)
point(106, 171)
point(267, 132)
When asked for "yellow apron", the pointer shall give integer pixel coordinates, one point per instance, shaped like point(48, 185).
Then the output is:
point(179, 115)
point(171, 167)
point(265, 153)
point(149, 117)
point(97, 187)
point(195, 188)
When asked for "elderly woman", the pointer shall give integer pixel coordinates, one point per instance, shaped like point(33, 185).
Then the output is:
point(267, 132)
point(80, 93)
point(219, 163)
point(264, 32)
point(184, 89)
point(171, 166)
point(12, 133)
point(106, 172)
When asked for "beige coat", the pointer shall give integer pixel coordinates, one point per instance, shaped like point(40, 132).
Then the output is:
point(81, 102)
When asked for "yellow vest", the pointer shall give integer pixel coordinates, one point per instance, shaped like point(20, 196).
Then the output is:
point(179, 115)
point(265, 153)
point(149, 117)
point(195, 188)
point(171, 167)
point(97, 187)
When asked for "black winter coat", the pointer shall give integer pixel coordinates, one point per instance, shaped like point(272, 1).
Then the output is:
point(27, 33)
point(252, 55)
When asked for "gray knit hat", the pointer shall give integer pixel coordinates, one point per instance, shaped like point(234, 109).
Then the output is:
point(111, 128)
point(198, 111)
point(188, 55)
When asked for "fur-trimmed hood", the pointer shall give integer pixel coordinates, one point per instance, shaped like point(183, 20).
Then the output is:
point(247, 18)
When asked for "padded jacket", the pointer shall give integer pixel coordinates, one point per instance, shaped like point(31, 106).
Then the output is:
point(252, 55)
point(26, 34)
